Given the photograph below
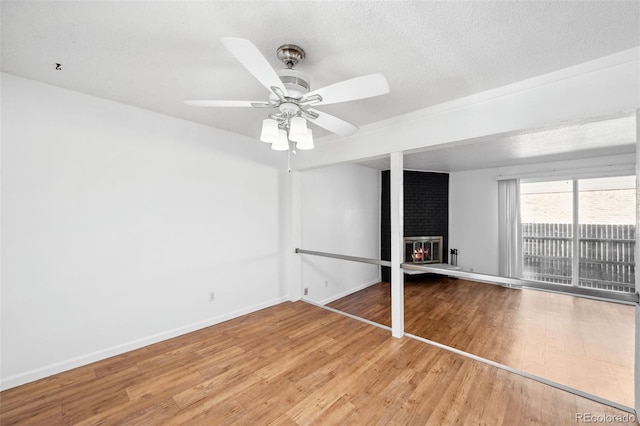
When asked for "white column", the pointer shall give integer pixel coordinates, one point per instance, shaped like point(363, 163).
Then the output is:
point(293, 226)
point(575, 253)
point(637, 342)
point(397, 244)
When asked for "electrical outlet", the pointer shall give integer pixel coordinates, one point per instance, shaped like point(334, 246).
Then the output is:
point(212, 296)
point(306, 291)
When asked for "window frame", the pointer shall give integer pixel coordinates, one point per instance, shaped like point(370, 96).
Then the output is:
point(575, 248)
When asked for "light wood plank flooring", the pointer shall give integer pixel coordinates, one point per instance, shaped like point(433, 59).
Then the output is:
point(582, 343)
point(291, 364)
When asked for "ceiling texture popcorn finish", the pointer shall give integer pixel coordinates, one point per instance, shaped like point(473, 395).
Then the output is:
point(154, 55)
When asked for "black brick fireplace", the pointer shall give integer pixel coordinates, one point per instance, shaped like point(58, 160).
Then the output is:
point(426, 210)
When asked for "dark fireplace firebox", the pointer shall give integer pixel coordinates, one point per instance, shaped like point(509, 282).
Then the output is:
point(423, 249)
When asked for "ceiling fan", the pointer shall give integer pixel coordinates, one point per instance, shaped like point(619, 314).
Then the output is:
point(292, 97)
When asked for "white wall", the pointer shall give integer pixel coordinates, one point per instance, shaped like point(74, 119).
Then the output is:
point(117, 223)
point(473, 205)
point(340, 214)
point(473, 219)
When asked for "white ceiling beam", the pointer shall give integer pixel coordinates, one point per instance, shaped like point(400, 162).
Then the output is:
point(601, 87)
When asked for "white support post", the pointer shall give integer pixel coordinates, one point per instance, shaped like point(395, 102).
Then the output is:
point(575, 253)
point(397, 244)
point(637, 270)
point(293, 226)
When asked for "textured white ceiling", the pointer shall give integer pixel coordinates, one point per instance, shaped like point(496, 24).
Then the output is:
point(154, 55)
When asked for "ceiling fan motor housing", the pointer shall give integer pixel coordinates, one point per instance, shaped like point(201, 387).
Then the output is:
point(296, 83)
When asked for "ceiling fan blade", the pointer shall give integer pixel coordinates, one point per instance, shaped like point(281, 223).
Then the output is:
point(256, 104)
point(366, 86)
point(251, 58)
point(333, 124)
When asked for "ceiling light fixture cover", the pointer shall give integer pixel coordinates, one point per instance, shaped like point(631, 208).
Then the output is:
point(306, 142)
point(269, 132)
point(282, 143)
point(298, 129)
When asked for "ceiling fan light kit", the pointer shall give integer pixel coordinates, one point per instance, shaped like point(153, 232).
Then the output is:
point(291, 95)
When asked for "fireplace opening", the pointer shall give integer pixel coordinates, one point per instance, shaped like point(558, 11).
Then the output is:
point(426, 249)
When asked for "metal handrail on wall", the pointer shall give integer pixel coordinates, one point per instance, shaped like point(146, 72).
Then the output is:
point(487, 278)
point(344, 257)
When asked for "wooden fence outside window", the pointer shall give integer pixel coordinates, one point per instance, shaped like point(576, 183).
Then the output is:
point(606, 255)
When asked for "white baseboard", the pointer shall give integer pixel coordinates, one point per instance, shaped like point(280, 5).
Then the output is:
point(348, 292)
point(59, 367)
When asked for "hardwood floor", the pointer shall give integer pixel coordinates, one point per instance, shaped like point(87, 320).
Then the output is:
point(291, 364)
point(582, 343)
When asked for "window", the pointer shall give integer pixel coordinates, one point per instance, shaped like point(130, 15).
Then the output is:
point(580, 232)
point(546, 211)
